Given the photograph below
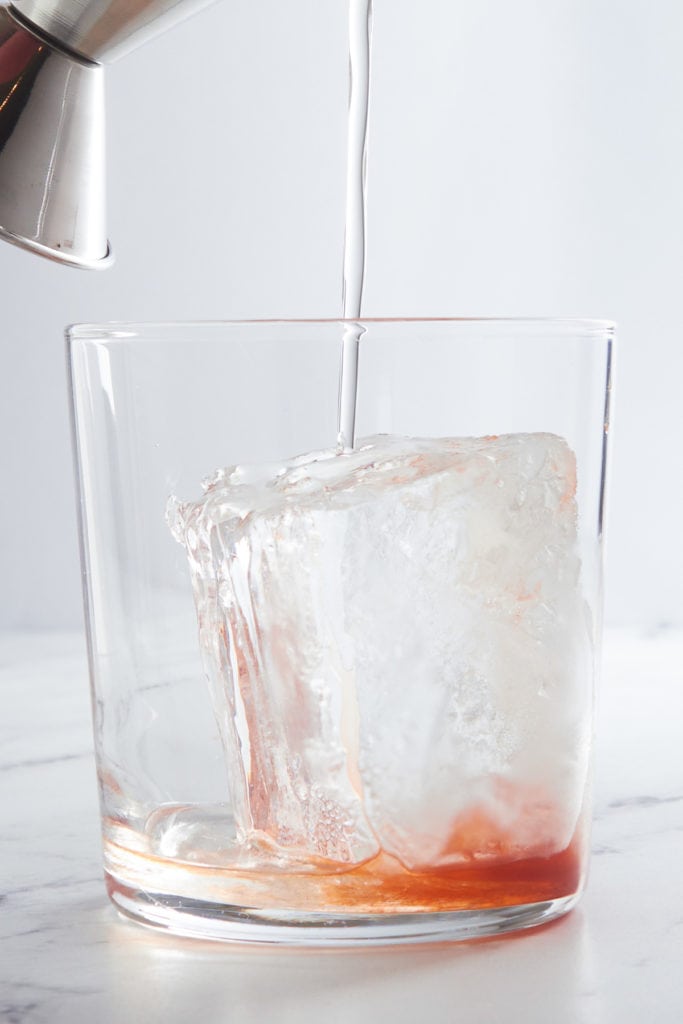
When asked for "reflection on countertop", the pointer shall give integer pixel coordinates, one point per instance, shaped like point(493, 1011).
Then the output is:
point(66, 955)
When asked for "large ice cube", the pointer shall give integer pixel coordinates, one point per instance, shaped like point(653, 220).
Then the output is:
point(398, 648)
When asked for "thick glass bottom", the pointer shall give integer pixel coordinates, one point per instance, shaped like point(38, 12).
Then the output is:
point(378, 902)
point(213, 921)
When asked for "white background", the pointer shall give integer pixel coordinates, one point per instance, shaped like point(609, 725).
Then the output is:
point(525, 158)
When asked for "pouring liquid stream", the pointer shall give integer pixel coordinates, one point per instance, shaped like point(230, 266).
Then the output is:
point(355, 235)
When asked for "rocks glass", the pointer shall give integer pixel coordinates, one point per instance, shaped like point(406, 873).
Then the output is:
point(343, 697)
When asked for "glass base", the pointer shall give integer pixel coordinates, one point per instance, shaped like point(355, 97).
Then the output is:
point(203, 919)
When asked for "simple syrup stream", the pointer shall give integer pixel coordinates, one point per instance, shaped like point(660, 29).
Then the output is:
point(355, 235)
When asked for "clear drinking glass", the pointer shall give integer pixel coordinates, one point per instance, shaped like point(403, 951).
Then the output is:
point(343, 697)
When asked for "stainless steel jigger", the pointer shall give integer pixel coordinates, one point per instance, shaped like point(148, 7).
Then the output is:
point(52, 168)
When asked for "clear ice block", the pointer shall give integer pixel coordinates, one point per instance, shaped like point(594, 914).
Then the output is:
point(398, 648)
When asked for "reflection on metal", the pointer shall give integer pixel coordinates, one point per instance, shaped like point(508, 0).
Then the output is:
point(52, 168)
point(103, 30)
point(51, 150)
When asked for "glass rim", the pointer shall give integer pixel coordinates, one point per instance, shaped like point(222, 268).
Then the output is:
point(128, 329)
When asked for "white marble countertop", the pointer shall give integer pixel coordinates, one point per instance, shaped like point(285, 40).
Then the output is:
point(67, 956)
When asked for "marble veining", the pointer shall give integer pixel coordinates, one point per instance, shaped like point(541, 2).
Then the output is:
point(645, 801)
point(33, 762)
point(67, 957)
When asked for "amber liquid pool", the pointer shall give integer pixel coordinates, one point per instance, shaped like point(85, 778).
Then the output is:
point(492, 892)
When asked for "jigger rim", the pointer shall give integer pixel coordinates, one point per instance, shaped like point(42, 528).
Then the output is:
point(62, 256)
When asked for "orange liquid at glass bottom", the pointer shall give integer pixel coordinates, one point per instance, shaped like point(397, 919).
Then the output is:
point(384, 886)
point(497, 877)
